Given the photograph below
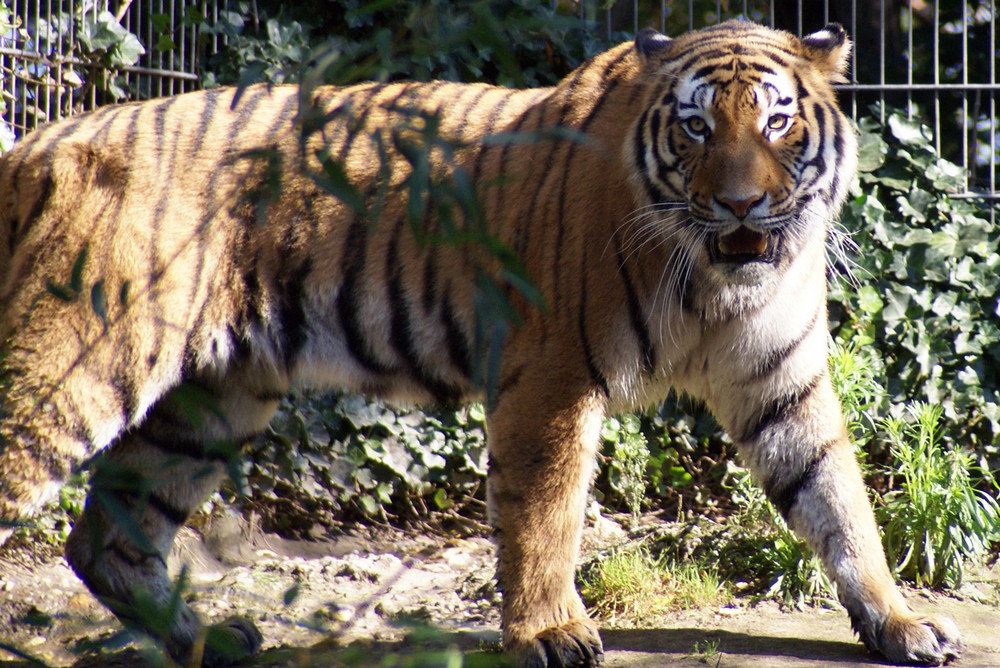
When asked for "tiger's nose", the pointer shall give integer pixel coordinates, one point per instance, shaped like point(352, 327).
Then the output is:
point(740, 207)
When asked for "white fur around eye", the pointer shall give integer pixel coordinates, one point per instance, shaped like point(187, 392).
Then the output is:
point(778, 105)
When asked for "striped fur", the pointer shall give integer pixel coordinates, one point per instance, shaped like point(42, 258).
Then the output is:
point(678, 242)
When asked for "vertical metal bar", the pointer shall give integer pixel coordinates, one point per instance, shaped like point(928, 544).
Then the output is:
point(993, 115)
point(69, 49)
point(854, 59)
point(18, 95)
point(799, 18)
point(771, 13)
point(38, 47)
point(161, 90)
point(969, 165)
point(4, 80)
point(182, 52)
point(881, 60)
point(53, 76)
point(174, 56)
point(690, 14)
point(909, 60)
point(937, 77)
point(195, 52)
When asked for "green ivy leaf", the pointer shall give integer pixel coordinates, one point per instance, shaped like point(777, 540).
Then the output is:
point(869, 300)
point(909, 131)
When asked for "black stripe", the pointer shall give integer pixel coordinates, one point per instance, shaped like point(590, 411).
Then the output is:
point(635, 311)
point(588, 352)
point(289, 109)
point(459, 350)
point(123, 380)
point(430, 279)
point(784, 491)
point(104, 130)
point(248, 104)
point(494, 116)
point(177, 444)
point(707, 54)
point(401, 330)
point(37, 209)
point(125, 556)
point(546, 170)
point(703, 72)
point(291, 311)
point(775, 358)
point(640, 156)
point(166, 192)
point(354, 125)
point(189, 446)
point(779, 410)
point(211, 98)
point(511, 378)
point(561, 212)
point(269, 395)
point(511, 184)
point(161, 505)
point(51, 139)
point(355, 251)
point(465, 114)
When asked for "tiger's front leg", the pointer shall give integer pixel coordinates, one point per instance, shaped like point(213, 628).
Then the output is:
point(798, 450)
point(542, 452)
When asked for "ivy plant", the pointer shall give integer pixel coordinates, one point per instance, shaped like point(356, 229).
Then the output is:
point(927, 264)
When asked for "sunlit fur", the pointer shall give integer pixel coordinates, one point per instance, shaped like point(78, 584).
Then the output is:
point(676, 229)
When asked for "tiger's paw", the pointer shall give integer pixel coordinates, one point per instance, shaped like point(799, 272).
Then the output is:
point(574, 644)
point(230, 642)
point(923, 640)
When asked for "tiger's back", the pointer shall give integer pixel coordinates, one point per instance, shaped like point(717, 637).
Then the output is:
point(669, 201)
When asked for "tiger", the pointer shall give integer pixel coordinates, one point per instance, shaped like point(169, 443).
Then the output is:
point(672, 202)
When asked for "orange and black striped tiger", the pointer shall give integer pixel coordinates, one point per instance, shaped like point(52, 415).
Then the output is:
point(676, 232)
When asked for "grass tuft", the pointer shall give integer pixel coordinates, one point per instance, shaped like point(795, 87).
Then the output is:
point(630, 585)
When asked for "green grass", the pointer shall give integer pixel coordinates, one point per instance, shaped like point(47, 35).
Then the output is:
point(942, 509)
point(630, 586)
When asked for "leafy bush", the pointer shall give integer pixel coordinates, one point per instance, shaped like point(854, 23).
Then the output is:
point(507, 42)
point(928, 262)
point(346, 455)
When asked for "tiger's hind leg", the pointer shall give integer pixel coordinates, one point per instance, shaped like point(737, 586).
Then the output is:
point(542, 454)
point(144, 490)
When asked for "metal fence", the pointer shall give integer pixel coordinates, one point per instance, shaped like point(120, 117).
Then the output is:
point(937, 59)
point(60, 57)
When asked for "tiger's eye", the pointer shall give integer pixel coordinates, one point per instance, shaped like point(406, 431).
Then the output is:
point(777, 122)
point(696, 125)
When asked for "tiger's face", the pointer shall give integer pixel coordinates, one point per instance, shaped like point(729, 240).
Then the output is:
point(744, 145)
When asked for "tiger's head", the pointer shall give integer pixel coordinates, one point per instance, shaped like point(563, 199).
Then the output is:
point(741, 153)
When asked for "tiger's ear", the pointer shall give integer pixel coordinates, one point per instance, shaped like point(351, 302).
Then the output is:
point(651, 46)
point(829, 49)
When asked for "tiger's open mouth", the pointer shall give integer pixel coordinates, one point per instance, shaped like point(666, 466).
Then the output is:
point(742, 245)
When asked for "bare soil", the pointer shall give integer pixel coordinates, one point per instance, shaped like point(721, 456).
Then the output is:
point(310, 599)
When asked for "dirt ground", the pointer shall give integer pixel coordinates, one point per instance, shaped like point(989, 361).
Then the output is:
point(357, 589)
